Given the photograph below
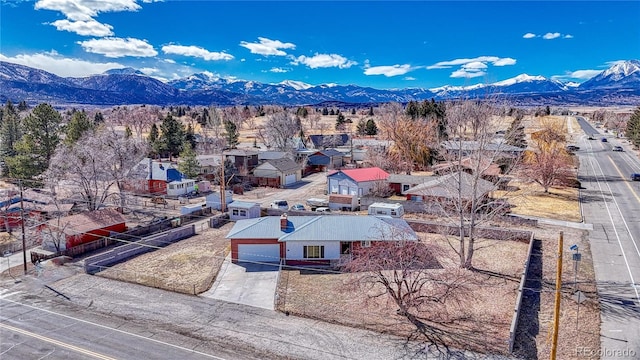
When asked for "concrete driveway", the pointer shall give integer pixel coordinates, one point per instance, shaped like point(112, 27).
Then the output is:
point(245, 283)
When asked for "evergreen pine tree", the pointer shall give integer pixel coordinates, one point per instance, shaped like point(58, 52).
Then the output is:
point(127, 132)
point(371, 128)
point(22, 106)
point(171, 136)
point(633, 128)
point(77, 126)
point(231, 133)
point(188, 164)
point(41, 136)
point(340, 122)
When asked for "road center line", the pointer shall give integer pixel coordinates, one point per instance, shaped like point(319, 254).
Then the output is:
point(56, 342)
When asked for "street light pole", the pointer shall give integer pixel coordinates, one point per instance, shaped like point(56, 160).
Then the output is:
point(24, 240)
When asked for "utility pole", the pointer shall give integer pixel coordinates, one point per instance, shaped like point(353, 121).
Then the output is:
point(223, 200)
point(24, 240)
point(556, 310)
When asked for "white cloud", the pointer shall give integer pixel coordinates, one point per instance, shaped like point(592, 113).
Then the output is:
point(84, 28)
point(196, 51)
point(389, 71)
point(149, 71)
point(278, 70)
point(409, 78)
point(504, 62)
point(267, 47)
point(529, 35)
point(170, 61)
point(474, 66)
point(324, 61)
point(578, 74)
point(484, 59)
point(549, 36)
point(118, 47)
point(568, 36)
point(462, 73)
point(65, 67)
point(243, 59)
point(85, 10)
point(615, 62)
point(584, 74)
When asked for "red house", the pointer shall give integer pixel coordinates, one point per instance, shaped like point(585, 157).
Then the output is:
point(66, 232)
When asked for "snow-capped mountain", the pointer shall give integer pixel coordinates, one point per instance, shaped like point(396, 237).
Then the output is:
point(618, 85)
point(297, 85)
point(624, 74)
point(124, 71)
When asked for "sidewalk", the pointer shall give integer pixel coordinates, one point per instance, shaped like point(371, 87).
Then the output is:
point(570, 224)
point(15, 259)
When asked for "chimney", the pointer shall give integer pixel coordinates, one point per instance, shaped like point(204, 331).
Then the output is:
point(283, 222)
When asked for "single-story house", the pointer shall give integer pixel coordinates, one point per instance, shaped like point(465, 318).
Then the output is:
point(357, 182)
point(311, 239)
point(490, 171)
point(239, 210)
point(400, 183)
point(69, 231)
point(328, 141)
point(181, 187)
point(285, 169)
point(325, 159)
point(445, 189)
point(467, 147)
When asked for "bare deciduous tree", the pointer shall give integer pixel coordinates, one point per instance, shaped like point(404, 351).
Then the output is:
point(548, 163)
point(279, 129)
point(94, 164)
point(409, 273)
point(469, 157)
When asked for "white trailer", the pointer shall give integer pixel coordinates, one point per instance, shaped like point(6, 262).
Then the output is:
point(386, 209)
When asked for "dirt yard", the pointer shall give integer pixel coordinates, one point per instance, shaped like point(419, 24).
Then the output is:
point(480, 322)
point(189, 266)
point(529, 199)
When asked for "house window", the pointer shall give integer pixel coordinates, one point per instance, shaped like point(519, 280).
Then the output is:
point(235, 212)
point(243, 212)
point(313, 252)
point(365, 243)
point(405, 187)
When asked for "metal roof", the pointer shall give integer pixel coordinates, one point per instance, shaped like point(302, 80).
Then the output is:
point(242, 204)
point(363, 174)
point(408, 179)
point(324, 228)
point(447, 186)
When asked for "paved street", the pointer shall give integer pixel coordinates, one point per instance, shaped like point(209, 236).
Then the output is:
point(611, 202)
point(127, 321)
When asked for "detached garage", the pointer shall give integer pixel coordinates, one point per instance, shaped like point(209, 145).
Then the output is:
point(285, 169)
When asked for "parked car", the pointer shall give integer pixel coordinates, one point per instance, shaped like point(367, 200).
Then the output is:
point(617, 148)
point(280, 204)
point(297, 207)
point(604, 140)
point(573, 148)
point(323, 210)
point(635, 176)
point(591, 137)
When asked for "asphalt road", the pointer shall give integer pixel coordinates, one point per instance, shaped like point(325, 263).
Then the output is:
point(33, 332)
point(611, 202)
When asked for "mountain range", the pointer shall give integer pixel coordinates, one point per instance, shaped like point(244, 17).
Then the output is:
point(617, 85)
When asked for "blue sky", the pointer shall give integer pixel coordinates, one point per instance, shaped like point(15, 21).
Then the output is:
point(369, 43)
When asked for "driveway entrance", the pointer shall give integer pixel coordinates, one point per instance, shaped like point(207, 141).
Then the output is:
point(245, 283)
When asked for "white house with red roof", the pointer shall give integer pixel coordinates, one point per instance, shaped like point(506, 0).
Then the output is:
point(358, 182)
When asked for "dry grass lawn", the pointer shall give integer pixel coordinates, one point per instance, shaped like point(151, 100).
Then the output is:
point(189, 266)
point(479, 322)
point(531, 200)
